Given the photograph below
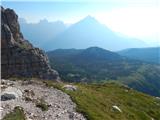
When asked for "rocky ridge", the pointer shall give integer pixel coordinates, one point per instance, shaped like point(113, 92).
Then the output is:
point(19, 58)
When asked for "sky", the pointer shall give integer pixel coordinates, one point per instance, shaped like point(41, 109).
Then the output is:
point(133, 18)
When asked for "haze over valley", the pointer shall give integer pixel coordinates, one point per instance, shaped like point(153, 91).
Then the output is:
point(83, 34)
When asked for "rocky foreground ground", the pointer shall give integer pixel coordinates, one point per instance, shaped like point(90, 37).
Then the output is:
point(28, 94)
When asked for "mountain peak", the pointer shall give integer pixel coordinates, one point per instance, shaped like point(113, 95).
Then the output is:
point(43, 21)
point(100, 53)
point(95, 48)
point(89, 19)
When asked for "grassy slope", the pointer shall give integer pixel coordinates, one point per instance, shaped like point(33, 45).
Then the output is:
point(95, 101)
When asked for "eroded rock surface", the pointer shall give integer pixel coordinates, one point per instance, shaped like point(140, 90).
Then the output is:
point(60, 106)
point(18, 57)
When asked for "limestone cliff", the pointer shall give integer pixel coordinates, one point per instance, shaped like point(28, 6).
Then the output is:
point(18, 57)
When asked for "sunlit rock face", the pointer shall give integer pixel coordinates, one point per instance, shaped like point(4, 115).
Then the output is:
point(18, 57)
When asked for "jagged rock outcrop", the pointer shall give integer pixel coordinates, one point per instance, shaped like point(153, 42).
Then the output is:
point(18, 57)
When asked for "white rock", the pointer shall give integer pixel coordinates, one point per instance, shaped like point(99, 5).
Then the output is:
point(14, 91)
point(126, 90)
point(29, 119)
point(152, 118)
point(1, 109)
point(3, 86)
point(70, 87)
point(116, 108)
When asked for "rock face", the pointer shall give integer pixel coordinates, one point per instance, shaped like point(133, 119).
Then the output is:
point(18, 57)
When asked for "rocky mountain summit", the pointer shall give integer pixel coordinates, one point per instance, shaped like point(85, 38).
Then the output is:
point(19, 58)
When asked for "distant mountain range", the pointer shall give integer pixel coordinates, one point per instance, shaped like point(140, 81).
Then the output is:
point(145, 54)
point(83, 34)
point(95, 64)
point(89, 32)
point(42, 33)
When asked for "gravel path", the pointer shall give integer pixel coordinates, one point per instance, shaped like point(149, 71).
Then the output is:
point(61, 106)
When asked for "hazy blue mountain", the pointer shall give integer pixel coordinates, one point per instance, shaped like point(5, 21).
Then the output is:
point(146, 54)
point(95, 64)
point(89, 32)
point(42, 33)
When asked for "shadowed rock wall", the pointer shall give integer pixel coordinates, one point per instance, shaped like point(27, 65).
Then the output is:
point(18, 57)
